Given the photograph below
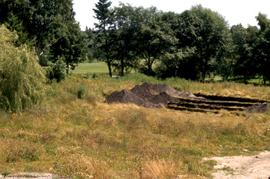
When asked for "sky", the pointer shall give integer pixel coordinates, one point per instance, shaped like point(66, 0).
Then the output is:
point(234, 11)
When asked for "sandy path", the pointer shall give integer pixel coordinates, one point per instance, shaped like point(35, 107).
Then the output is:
point(243, 167)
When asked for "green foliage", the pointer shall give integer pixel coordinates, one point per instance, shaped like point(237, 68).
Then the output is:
point(134, 37)
point(250, 50)
point(176, 63)
point(244, 65)
point(47, 25)
point(103, 14)
point(207, 32)
point(21, 77)
point(104, 34)
point(262, 47)
point(154, 39)
point(57, 70)
point(127, 26)
point(196, 44)
point(81, 92)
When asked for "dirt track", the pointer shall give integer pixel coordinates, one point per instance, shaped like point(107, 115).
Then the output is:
point(243, 167)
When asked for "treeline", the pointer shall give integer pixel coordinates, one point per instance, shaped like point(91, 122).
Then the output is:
point(196, 44)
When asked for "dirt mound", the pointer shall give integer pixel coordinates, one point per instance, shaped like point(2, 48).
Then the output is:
point(161, 99)
point(124, 96)
point(148, 90)
point(158, 95)
point(147, 95)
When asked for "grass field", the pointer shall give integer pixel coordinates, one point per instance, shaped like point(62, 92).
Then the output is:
point(84, 68)
point(84, 138)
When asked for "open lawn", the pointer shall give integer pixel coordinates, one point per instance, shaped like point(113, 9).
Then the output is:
point(84, 68)
point(84, 138)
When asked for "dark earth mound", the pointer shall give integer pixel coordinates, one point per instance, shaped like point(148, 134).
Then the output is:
point(147, 90)
point(148, 95)
point(126, 96)
point(161, 95)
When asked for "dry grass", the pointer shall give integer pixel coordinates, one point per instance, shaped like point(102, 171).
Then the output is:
point(159, 169)
point(85, 138)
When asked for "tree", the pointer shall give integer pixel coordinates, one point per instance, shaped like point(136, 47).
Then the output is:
point(127, 24)
point(175, 62)
point(44, 24)
point(206, 32)
point(104, 32)
point(243, 40)
point(262, 47)
point(154, 38)
point(21, 77)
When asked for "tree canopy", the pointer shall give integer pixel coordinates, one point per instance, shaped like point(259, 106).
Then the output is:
point(196, 44)
point(47, 25)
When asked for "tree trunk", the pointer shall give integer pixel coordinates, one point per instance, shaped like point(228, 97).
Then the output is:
point(122, 67)
point(203, 73)
point(67, 68)
point(149, 66)
point(204, 70)
point(264, 80)
point(109, 68)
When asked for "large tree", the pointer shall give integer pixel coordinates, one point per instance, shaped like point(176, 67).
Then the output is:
point(127, 26)
point(243, 40)
point(104, 32)
point(262, 48)
point(154, 39)
point(205, 31)
point(45, 24)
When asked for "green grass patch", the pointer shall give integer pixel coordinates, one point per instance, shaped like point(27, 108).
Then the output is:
point(91, 68)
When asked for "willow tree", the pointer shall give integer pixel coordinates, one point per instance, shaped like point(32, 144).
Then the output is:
point(21, 77)
point(48, 26)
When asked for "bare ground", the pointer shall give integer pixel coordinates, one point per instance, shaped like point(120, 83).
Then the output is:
point(243, 167)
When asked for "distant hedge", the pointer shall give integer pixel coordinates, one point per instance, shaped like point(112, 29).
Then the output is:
point(21, 77)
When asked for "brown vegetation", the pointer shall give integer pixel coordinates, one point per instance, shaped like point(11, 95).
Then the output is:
point(86, 137)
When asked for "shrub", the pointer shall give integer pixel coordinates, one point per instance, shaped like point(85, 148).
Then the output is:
point(57, 70)
point(21, 77)
point(81, 93)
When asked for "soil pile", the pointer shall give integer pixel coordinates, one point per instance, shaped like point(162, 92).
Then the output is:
point(147, 90)
point(159, 95)
point(126, 96)
point(148, 95)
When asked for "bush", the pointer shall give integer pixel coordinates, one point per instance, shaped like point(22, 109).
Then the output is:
point(21, 77)
point(81, 93)
point(57, 70)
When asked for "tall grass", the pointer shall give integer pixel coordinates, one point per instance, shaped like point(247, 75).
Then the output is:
point(86, 138)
